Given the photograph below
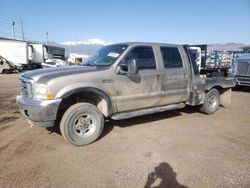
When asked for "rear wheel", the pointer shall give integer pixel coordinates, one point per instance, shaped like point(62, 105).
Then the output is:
point(211, 103)
point(82, 124)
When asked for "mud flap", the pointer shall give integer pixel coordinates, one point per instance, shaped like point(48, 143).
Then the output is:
point(225, 97)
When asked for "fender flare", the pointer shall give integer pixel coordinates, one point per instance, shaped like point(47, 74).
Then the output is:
point(93, 90)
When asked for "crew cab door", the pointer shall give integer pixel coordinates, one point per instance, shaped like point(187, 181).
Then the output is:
point(176, 76)
point(143, 89)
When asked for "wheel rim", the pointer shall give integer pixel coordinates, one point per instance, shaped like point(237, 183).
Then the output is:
point(84, 125)
point(212, 103)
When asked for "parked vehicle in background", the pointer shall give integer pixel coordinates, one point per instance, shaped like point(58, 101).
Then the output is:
point(43, 52)
point(76, 59)
point(242, 70)
point(211, 64)
point(54, 63)
point(7, 67)
point(119, 81)
point(48, 55)
point(17, 52)
point(29, 54)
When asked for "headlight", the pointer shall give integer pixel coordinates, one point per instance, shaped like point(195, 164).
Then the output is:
point(42, 91)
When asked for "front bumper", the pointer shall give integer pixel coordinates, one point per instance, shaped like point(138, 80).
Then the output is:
point(41, 113)
point(243, 80)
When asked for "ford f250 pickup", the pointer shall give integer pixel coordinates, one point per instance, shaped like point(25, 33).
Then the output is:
point(119, 81)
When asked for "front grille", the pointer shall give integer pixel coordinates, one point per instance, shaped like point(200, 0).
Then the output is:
point(242, 68)
point(243, 79)
point(26, 88)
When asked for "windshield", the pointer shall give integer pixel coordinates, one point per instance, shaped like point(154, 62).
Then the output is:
point(105, 56)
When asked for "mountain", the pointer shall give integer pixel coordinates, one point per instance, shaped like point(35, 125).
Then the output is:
point(225, 47)
point(85, 47)
point(87, 42)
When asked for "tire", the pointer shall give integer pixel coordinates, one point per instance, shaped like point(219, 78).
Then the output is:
point(5, 71)
point(211, 103)
point(82, 124)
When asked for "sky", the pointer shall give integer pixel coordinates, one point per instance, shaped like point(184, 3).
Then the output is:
point(170, 21)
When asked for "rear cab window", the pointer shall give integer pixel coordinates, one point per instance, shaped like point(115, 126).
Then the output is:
point(171, 57)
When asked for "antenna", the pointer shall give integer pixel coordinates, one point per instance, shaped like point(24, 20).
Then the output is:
point(46, 38)
point(21, 21)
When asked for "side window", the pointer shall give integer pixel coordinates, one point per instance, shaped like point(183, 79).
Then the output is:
point(171, 57)
point(144, 57)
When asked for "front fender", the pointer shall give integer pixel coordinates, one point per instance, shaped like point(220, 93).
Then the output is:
point(79, 88)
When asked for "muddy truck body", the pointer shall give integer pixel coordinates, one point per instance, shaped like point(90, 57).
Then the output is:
point(119, 81)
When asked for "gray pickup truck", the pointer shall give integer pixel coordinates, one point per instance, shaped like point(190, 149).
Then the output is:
point(119, 81)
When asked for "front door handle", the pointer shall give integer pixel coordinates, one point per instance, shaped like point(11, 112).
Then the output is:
point(158, 76)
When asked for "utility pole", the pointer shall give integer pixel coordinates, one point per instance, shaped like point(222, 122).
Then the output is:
point(21, 22)
point(13, 30)
point(46, 38)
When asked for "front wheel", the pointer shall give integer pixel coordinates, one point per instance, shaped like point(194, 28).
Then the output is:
point(211, 103)
point(82, 124)
point(5, 71)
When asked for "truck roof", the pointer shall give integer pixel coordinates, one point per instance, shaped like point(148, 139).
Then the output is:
point(145, 43)
point(30, 42)
point(244, 56)
point(9, 39)
point(18, 40)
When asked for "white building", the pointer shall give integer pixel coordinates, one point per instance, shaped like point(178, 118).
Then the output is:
point(76, 58)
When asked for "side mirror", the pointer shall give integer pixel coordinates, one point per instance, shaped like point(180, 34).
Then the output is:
point(130, 68)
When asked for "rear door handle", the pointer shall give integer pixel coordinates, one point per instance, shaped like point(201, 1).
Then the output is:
point(158, 77)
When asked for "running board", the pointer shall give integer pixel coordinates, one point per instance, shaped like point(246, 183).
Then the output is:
point(141, 112)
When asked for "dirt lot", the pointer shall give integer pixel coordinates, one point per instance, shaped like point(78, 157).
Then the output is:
point(171, 149)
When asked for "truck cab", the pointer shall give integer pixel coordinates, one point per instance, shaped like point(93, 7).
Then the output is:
point(242, 70)
point(47, 55)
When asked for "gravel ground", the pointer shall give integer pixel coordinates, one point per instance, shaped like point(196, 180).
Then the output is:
point(172, 149)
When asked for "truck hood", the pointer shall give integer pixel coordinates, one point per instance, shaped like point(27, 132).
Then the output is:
point(44, 75)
